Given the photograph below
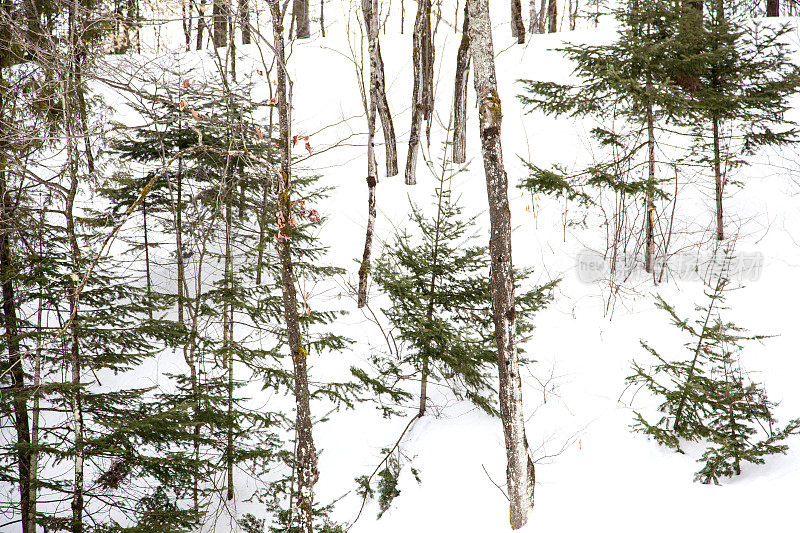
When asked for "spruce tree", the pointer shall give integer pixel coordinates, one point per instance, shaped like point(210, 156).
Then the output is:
point(436, 277)
point(708, 396)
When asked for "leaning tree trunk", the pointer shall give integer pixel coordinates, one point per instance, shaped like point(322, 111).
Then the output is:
point(306, 456)
point(422, 95)
point(378, 84)
point(520, 470)
point(517, 26)
point(460, 94)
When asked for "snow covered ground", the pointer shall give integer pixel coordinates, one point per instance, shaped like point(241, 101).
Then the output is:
point(593, 474)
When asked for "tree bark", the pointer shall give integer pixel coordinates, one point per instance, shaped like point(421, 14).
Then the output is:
point(422, 95)
point(718, 179)
point(244, 20)
point(378, 84)
point(16, 370)
point(220, 14)
point(306, 455)
point(552, 16)
point(773, 8)
point(460, 94)
point(300, 14)
point(650, 206)
point(201, 24)
point(517, 26)
point(520, 469)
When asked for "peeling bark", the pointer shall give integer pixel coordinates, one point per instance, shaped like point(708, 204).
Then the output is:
point(422, 95)
point(460, 94)
point(520, 469)
point(378, 84)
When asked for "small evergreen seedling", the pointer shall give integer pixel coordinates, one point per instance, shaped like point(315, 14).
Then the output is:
point(708, 396)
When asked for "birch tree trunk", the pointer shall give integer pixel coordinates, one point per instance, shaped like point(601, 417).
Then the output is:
point(460, 94)
point(422, 95)
point(520, 470)
point(378, 84)
point(306, 454)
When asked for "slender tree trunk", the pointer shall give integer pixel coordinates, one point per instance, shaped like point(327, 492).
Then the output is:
point(773, 8)
point(186, 22)
point(650, 206)
point(76, 396)
point(378, 84)
point(372, 182)
point(322, 17)
point(718, 179)
point(147, 256)
point(201, 24)
point(552, 16)
point(517, 26)
point(244, 20)
point(16, 370)
point(220, 14)
point(460, 94)
point(265, 198)
point(520, 470)
point(422, 95)
point(228, 325)
point(306, 454)
point(300, 15)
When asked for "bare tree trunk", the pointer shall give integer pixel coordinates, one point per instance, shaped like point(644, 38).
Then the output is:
point(517, 26)
point(220, 14)
point(147, 255)
point(227, 334)
point(322, 17)
point(306, 455)
point(378, 85)
point(186, 21)
point(520, 470)
point(201, 24)
point(372, 182)
point(773, 8)
point(650, 206)
point(422, 96)
point(718, 179)
point(300, 15)
point(244, 20)
point(460, 94)
point(16, 370)
point(552, 16)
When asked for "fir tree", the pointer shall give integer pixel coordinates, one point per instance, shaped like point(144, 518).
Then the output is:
point(709, 396)
point(436, 278)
